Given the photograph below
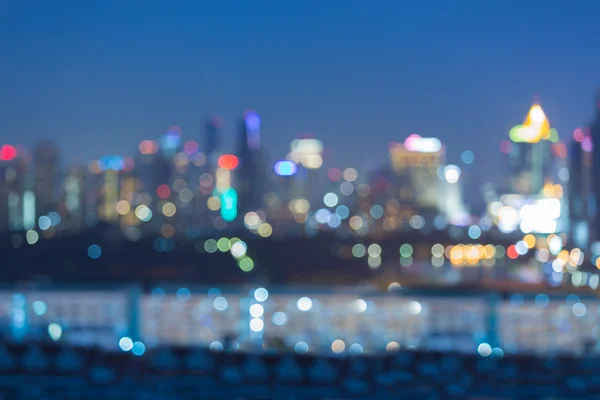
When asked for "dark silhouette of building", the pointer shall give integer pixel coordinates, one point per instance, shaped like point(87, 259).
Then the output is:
point(47, 189)
point(212, 142)
point(250, 174)
point(595, 134)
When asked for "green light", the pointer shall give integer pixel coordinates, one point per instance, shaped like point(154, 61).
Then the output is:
point(224, 244)
point(246, 264)
point(229, 199)
point(406, 250)
point(553, 135)
point(210, 246)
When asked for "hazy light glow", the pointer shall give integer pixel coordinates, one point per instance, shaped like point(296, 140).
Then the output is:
point(422, 145)
point(285, 168)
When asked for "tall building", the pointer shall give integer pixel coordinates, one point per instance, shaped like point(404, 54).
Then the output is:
point(212, 139)
point(580, 191)
point(251, 173)
point(529, 154)
point(12, 189)
point(595, 135)
point(47, 188)
point(415, 164)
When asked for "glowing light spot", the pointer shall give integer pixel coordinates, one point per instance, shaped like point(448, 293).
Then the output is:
point(55, 331)
point(138, 349)
point(44, 222)
point(467, 157)
point(358, 305)
point(39, 307)
point(484, 350)
point(213, 203)
point(238, 249)
point(330, 199)
point(338, 346)
point(376, 211)
point(228, 161)
point(356, 222)
point(304, 304)
point(285, 168)
point(358, 250)
point(301, 348)
point(210, 246)
point(123, 207)
point(414, 307)
point(7, 152)
point(452, 173)
point(350, 174)
point(406, 250)
point(578, 309)
point(474, 232)
point(261, 294)
point(143, 213)
point(279, 318)
point(163, 191)
point(169, 209)
point(32, 236)
point(265, 230)
point(220, 303)
point(416, 222)
point(246, 264)
point(125, 343)
point(224, 244)
point(256, 310)
point(215, 347)
point(94, 251)
point(183, 294)
point(256, 324)
point(392, 346)
point(374, 250)
point(190, 147)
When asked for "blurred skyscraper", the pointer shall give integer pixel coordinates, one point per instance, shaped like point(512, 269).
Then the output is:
point(250, 175)
point(47, 188)
point(212, 139)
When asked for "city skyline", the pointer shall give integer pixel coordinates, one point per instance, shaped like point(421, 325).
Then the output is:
point(107, 82)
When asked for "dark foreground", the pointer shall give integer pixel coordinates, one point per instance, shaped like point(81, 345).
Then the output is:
point(50, 372)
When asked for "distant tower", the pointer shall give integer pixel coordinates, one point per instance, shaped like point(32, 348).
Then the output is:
point(212, 141)
point(47, 187)
point(250, 176)
point(595, 133)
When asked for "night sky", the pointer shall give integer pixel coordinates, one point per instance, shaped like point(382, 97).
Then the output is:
point(100, 76)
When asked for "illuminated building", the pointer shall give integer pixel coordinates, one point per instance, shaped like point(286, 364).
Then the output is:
point(416, 163)
point(47, 187)
point(73, 202)
point(530, 153)
point(12, 188)
point(580, 190)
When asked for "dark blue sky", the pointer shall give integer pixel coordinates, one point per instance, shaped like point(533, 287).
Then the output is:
point(99, 76)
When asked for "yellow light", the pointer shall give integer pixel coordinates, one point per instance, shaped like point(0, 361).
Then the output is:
point(529, 241)
point(598, 262)
point(356, 222)
point(490, 251)
point(123, 207)
point(265, 230)
point(213, 203)
point(169, 209)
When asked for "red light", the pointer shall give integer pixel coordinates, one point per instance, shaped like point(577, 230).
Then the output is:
point(228, 161)
point(334, 174)
point(511, 252)
point(7, 152)
point(190, 147)
point(163, 191)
